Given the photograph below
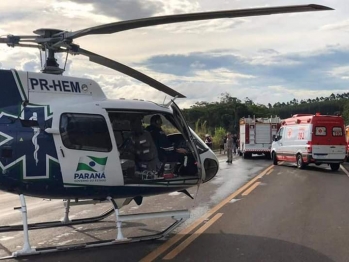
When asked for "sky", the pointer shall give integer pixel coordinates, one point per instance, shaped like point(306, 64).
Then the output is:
point(268, 59)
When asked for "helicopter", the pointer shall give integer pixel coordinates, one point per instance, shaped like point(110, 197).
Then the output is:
point(62, 138)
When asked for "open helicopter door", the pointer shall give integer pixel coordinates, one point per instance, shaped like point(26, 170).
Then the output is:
point(87, 154)
point(187, 134)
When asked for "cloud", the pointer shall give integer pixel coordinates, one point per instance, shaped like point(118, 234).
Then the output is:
point(273, 59)
point(268, 51)
point(126, 10)
point(341, 72)
point(123, 9)
point(285, 56)
point(303, 69)
point(285, 94)
point(342, 26)
point(300, 75)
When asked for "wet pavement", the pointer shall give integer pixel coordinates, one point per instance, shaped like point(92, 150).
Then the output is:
point(229, 178)
point(291, 215)
point(251, 211)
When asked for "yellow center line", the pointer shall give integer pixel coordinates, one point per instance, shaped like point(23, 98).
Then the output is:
point(269, 172)
point(250, 189)
point(161, 249)
point(190, 239)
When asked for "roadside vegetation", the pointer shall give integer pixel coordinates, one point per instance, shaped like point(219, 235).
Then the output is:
point(218, 118)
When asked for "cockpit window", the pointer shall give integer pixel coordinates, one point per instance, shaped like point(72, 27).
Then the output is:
point(200, 145)
point(85, 132)
point(151, 147)
point(168, 126)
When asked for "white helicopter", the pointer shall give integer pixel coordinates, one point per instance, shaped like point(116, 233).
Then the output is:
point(61, 137)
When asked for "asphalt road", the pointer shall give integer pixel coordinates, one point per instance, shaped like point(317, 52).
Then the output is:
point(292, 215)
point(250, 211)
point(229, 178)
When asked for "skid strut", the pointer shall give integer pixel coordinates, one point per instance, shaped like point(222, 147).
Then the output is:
point(179, 216)
point(64, 222)
point(26, 250)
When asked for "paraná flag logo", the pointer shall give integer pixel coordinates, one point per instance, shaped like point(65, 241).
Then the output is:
point(92, 164)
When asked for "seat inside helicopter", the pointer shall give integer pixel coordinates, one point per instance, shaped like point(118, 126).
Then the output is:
point(141, 156)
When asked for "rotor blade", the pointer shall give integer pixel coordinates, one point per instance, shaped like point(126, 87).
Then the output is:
point(168, 19)
point(13, 44)
point(128, 71)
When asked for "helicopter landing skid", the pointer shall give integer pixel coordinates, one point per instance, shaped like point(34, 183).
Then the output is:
point(64, 222)
point(179, 216)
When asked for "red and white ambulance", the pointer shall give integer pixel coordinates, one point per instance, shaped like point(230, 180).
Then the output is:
point(256, 135)
point(347, 138)
point(306, 139)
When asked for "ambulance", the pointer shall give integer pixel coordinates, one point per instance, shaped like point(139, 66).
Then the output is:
point(310, 139)
point(347, 138)
point(256, 135)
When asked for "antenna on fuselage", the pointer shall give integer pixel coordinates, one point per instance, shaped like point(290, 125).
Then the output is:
point(164, 100)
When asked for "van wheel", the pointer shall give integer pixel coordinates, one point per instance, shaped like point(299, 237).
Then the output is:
point(275, 160)
point(334, 166)
point(267, 155)
point(247, 155)
point(300, 163)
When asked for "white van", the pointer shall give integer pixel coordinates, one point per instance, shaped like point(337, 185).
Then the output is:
point(306, 139)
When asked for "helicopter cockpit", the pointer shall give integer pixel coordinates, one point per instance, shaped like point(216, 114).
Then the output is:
point(141, 157)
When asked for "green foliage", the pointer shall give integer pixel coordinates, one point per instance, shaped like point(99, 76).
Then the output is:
point(346, 113)
point(169, 129)
point(201, 128)
point(219, 134)
point(226, 113)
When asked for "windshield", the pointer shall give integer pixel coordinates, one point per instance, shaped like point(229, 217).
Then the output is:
point(200, 145)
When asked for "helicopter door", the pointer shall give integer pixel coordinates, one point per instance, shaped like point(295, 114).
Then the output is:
point(184, 129)
point(85, 149)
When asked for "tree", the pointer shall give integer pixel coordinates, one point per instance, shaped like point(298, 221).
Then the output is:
point(346, 113)
point(277, 105)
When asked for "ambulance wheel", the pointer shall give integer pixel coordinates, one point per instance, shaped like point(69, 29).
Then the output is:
point(275, 160)
point(300, 163)
point(334, 166)
point(247, 155)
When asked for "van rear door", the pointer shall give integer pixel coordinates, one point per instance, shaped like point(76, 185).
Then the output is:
point(328, 140)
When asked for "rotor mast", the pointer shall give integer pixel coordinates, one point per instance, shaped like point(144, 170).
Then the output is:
point(51, 66)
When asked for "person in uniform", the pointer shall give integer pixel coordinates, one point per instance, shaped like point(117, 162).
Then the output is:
point(166, 151)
